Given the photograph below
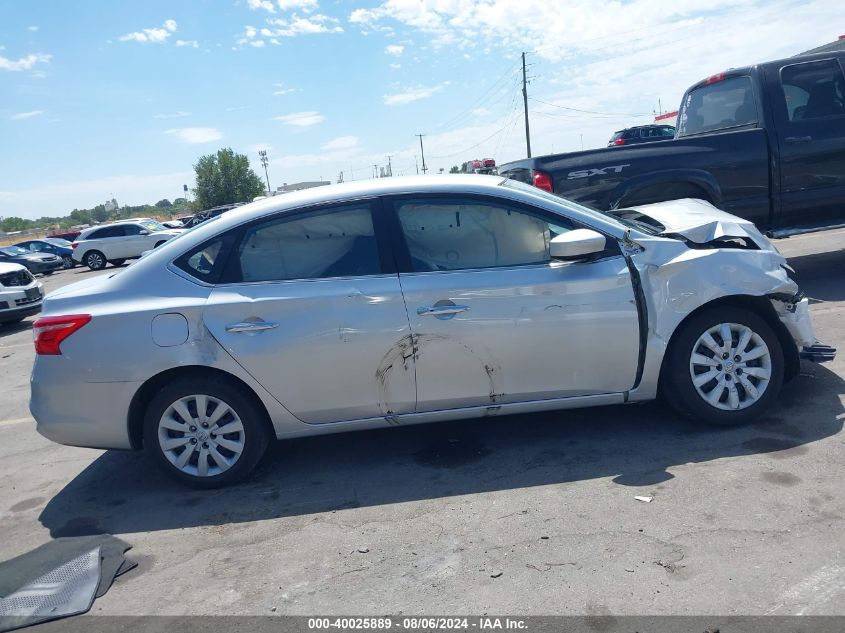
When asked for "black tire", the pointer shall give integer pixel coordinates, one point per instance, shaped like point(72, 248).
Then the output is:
point(253, 419)
point(67, 262)
point(117, 262)
point(677, 382)
point(95, 260)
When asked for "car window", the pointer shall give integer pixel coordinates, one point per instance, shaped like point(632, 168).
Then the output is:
point(632, 134)
point(133, 229)
point(462, 234)
point(616, 136)
point(106, 231)
point(13, 251)
point(720, 105)
point(813, 90)
point(152, 226)
point(36, 246)
point(326, 243)
point(57, 241)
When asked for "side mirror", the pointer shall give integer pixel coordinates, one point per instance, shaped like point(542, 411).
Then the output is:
point(577, 243)
point(144, 232)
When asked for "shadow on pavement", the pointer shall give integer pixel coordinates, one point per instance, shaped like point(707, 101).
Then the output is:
point(123, 492)
point(820, 275)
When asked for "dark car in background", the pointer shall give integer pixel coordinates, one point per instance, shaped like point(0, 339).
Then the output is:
point(34, 262)
point(68, 235)
point(207, 214)
point(642, 134)
point(51, 246)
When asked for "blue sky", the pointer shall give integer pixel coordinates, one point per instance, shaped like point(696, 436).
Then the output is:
point(102, 99)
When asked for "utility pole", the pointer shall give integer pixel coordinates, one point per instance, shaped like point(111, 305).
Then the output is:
point(525, 101)
point(416, 166)
point(422, 153)
point(263, 154)
point(389, 166)
point(582, 142)
point(375, 171)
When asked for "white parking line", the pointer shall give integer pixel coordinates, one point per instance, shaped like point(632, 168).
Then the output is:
point(15, 421)
point(816, 590)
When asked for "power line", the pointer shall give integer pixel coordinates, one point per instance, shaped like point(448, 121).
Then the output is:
point(511, 118)
point(554, 105)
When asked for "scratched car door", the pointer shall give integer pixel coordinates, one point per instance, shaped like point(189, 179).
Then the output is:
point(312, 312)
point(496, 320)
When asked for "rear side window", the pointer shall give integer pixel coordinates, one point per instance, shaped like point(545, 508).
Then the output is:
point(455, 235)
point(718, 106)
point(632, 134)
point(106, 231)
point(338, 242)
point(205, 262)
point(617, 136)
point(813, 90)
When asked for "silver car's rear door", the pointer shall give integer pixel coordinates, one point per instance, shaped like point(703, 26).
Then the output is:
point(312, 314)
point(495, 320)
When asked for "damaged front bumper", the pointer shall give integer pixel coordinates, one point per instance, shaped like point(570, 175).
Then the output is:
point(794, 313)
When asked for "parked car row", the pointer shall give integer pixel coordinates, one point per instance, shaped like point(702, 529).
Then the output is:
point(115, 243)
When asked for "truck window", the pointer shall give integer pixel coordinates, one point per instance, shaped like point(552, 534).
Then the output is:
point(813, 90)
point(718, 106)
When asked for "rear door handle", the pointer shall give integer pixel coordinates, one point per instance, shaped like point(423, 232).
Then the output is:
point(251, 326)
point(442, 311)
point(798, 139)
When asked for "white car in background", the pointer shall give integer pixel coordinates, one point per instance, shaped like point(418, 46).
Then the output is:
point(117, 242)
point(20, 294)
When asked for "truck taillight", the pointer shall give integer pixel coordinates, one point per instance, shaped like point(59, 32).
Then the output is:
point(619, 141)
point(74, 245)
point(542, 180)
point(49, 332)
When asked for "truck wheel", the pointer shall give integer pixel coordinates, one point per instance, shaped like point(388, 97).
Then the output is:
point(95, 260)
point(205, 433)
point(725, 367)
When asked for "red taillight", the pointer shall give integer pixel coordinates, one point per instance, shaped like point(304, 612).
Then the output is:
point(619, 141)
point(49, 332)
point(542, 181)
point(74, 245)
point(714, 78)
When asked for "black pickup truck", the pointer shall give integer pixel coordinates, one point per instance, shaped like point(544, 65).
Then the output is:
point(766, 143)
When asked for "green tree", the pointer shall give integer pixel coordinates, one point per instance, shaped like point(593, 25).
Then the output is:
point(455, 170)
point(225, 178)
point(15, 224)
point(164, 204)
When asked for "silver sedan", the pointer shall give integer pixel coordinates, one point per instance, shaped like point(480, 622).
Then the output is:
point(414, 300)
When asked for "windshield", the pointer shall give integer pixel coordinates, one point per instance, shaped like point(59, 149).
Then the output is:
point(14, 250)
point(152, 225)
point(568, 204)
point(57, 241)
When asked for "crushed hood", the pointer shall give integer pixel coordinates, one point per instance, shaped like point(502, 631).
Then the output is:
point(695, 220)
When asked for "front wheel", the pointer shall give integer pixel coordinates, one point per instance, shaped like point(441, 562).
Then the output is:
point(95, 260)
point(117, 262)
point(205, 433)
point(725, 367)
point(67, 262)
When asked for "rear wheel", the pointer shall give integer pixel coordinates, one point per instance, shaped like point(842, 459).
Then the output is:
point(95, 260)
point(726, 367)
point(205, 433)
point(117, 262)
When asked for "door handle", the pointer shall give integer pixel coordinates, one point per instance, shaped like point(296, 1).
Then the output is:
point(798, 139)
point(441, 311)
point(251, 326)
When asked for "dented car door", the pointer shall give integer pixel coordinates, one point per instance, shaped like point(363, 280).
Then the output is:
point(308, 309)
point(495, 319)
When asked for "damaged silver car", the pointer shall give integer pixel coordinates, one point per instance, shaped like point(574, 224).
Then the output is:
point(410, 300)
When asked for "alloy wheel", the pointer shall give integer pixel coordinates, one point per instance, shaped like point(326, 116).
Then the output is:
point(201, 435)
point(730, 366)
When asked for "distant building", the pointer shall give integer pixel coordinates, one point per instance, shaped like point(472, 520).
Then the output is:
point(299, 186)
point(111, 205)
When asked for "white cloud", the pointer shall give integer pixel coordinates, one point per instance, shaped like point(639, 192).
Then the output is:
point(188, 43)
point(409, 95)
point(155, 35)
point(32, 28)
point(26, 115)
point(259, 147)
point(281, 90)
point(311, 25)
point(301, 119)
point(304, 5)
point(171, 115)
point(340, 143)
point(395, 66)
point(257, 43)
point(261, 4)
point(24, 63)
point(394, 49)
point(194, 135)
